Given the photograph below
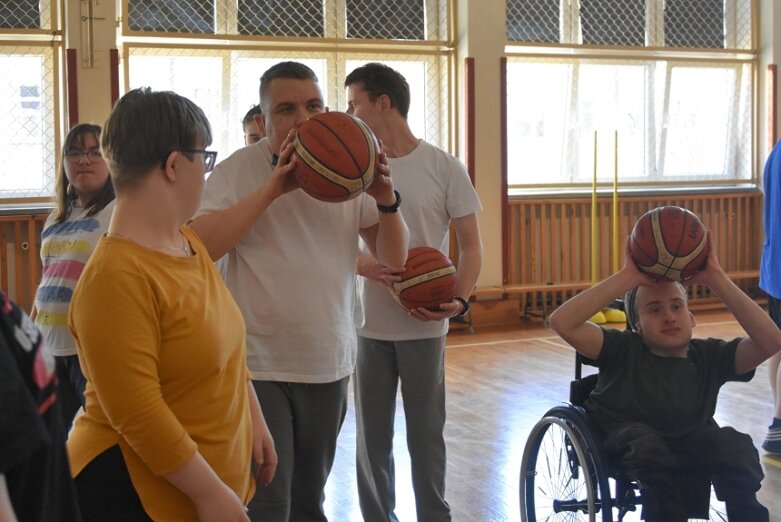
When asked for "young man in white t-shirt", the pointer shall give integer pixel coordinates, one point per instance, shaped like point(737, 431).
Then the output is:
point(394, 345)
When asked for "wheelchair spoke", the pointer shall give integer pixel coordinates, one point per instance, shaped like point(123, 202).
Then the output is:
point(560, 488)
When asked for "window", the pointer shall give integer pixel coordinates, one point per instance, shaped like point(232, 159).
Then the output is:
point(709, 24)
point(386, 19)
point(417, 20)
point(669, 129)
point(22, 14)
point(178, 16)
point(281, 17)
point(225, 85)
point(224, 80)
point(28, 94)
point(636, 110)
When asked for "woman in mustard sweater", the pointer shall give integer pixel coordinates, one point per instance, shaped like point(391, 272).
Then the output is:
point(172, 423)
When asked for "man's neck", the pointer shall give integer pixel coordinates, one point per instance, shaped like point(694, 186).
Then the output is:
point(397, 139)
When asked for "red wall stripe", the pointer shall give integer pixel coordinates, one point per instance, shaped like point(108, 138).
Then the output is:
point(469, 123)
point(504, 185)
point(114, 72)
point(71, 73)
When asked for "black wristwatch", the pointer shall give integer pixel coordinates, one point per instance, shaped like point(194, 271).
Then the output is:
point(465, 304)
point(390, 209)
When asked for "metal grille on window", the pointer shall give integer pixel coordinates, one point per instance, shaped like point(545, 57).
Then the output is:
point(281, 17)
point(410, 20)
point(171, 16)
point(27, 104)
point(22, 14)
point(699, 24)
point(694, 23)
point(533, 21)
point(613, 22)
point(386, 19)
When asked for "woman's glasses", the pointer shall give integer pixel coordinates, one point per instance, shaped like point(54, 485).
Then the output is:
point(209, 157)
point(75, 155)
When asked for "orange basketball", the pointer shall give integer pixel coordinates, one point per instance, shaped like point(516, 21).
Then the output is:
point(336, 156)
point(669, 243)
point(429, 279)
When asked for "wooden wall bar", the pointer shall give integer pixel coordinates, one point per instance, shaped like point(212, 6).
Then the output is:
point(550, 241)
point(20, 261)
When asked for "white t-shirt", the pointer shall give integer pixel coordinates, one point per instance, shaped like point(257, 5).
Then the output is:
point(65, 249)
point(293, 274)
point(434, 188)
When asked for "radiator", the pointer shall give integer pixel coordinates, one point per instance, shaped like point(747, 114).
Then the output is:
point(20, 262)
point(549, 241)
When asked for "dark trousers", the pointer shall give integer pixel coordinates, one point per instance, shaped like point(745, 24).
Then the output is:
point(304, 420)
point(70, 389)
point(105, 491)
point(669, 469)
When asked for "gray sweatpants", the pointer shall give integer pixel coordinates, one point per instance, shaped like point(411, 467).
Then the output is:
point(420, 366)
point(304, 420)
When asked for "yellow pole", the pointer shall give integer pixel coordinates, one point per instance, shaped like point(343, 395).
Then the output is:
point(615, 202)
point(594, 217)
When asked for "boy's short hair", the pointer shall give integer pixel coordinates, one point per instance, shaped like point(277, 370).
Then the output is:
point(143, 129)
point(250, 116)
point(630, 305)
point(378, 79)
point(288, 70)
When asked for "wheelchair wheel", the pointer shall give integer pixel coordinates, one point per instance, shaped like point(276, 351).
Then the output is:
point(561, 478)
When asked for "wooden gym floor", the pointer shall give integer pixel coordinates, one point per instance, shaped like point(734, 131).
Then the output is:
point(500, 382)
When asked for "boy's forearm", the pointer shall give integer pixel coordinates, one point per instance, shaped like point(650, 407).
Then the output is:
point(757, 324)
point(580, 308)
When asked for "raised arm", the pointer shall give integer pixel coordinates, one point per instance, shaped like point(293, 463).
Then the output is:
point(222, 229)
point(388, 240)
point(571, 320)
point(764, 337)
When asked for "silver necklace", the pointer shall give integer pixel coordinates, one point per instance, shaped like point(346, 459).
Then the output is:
point(184, 249)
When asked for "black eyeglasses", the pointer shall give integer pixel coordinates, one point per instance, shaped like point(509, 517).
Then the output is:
point(75, 155)
point(209, 157)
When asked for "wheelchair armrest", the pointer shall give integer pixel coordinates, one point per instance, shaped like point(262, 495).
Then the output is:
point(580, 389)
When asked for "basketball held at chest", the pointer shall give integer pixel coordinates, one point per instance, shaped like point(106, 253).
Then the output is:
point(669, 243)
point(336, 156)
point(429, 280)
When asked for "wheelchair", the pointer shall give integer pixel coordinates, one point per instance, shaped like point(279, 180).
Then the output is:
point(565, 476)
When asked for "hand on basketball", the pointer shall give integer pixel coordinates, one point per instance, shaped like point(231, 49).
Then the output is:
point(373, 270)
point(630, 268)
point(711, 269)
point(381, 188)
point(446, 311)
point(282, 180)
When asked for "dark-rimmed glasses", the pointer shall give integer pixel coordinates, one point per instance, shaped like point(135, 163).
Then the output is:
point(75, 155)
point(209, 157)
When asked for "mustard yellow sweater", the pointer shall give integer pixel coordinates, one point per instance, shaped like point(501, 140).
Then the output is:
point(162, 345)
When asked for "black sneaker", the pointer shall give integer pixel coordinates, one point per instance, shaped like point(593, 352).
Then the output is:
point(772, 442)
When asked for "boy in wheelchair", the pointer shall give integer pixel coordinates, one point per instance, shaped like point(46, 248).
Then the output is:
point(657, 390)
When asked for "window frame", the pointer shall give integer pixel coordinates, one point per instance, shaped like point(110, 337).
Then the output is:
point(740, 53)
point(47, 42)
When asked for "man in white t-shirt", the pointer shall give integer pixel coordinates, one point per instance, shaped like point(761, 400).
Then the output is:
point(291, 267)
point(394, 345)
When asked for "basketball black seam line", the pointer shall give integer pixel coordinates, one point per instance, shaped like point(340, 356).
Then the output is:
point(344, 145)
point(347, 190)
